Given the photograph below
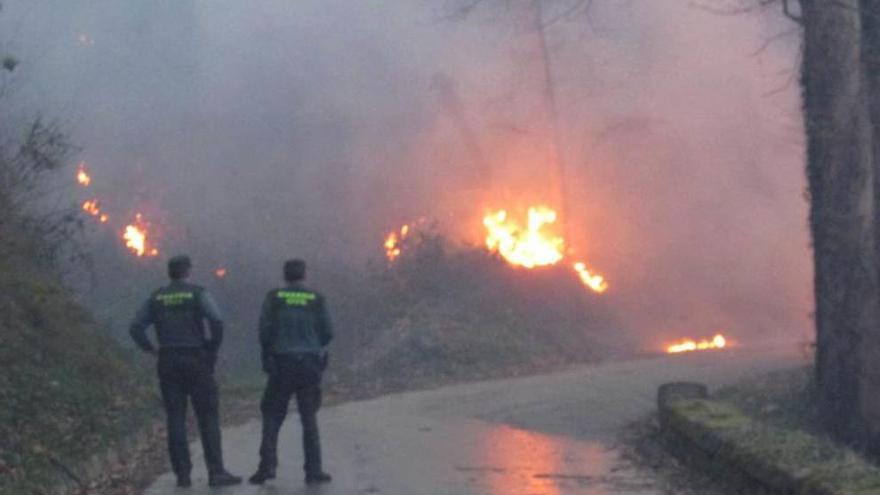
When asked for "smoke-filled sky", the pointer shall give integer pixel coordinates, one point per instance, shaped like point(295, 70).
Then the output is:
point(310, 128)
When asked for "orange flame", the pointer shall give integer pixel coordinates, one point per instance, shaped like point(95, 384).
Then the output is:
point(528, 246)
point(136, 238)
point(533, 246)
point(82, 176)
point(689, 345)
point(392, 243)
point(91, 207)
point(593, 281)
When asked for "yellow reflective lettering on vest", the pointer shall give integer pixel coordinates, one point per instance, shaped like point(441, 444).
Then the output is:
point(174, 298)
point(296, 298)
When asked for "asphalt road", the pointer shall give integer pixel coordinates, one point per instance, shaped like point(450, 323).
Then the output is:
point(542, 435)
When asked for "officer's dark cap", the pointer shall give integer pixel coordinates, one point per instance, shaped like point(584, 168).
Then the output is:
point(178, 266)
point(294, 270)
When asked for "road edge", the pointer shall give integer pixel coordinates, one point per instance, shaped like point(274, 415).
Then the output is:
point(716, 437)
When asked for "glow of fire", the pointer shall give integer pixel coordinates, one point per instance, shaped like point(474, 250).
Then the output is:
point(528, 246)
point(534, 245)
point(91, 207)
point(689, 345)
point(392, 243)
point(220, 272)
point(594, 281)
point(136, 238)
point(82, 176)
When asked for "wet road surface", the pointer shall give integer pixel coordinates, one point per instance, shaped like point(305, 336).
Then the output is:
point(541, 435)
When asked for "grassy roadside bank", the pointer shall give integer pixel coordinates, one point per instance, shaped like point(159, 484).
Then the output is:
point(68, 391)
point(760, 436)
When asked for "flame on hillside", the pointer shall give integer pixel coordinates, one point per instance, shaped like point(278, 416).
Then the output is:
point(528, 246)
point(534, 243)
point(137, 238)
point(82, 175)
point(393, 242)
point(91, 207)
point(594, 281)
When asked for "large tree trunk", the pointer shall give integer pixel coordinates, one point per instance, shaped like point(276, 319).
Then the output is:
point(870, 47)
point(840, 175)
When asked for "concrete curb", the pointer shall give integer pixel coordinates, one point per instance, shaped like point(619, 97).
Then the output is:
point(716, 437)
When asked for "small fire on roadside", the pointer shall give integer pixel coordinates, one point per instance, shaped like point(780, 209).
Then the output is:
point(136, 237)
point(220, 272)
point(690, 345)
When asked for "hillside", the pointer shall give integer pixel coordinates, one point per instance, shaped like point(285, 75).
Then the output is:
point(66, 387)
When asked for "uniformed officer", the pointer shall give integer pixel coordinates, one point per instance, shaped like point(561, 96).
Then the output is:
point(294, 330)
point(186, 367)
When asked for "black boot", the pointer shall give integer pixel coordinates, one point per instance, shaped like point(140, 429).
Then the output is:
point(223, 478)
point(261, 476)
point(316, 478)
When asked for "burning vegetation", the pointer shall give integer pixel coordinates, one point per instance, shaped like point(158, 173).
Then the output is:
point(136, 235)
point(393, 241)
point(82, 175)
point(445, 310)
point(136, 238)
point(531, 244)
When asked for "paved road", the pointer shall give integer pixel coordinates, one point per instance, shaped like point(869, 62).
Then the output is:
point(542, 435)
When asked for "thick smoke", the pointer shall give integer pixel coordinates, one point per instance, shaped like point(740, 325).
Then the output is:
point(255, 131)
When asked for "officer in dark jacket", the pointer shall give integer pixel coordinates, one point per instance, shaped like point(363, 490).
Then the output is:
point(294, 329)
point(186, 366)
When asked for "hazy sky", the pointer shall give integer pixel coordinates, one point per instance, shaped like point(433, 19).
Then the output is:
point(313, 127)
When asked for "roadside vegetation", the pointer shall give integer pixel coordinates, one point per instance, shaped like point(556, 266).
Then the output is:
point(443, 313)
point(67, 389)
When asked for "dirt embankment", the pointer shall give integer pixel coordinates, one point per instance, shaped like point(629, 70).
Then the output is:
point(69, 393)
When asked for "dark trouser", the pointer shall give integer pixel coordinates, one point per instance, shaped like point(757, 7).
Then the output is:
point(188, 373)
point(300, 375)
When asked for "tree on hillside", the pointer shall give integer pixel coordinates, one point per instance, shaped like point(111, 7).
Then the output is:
point(31, 151)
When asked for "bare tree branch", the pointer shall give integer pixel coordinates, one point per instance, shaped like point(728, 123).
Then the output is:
point(756, 5)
